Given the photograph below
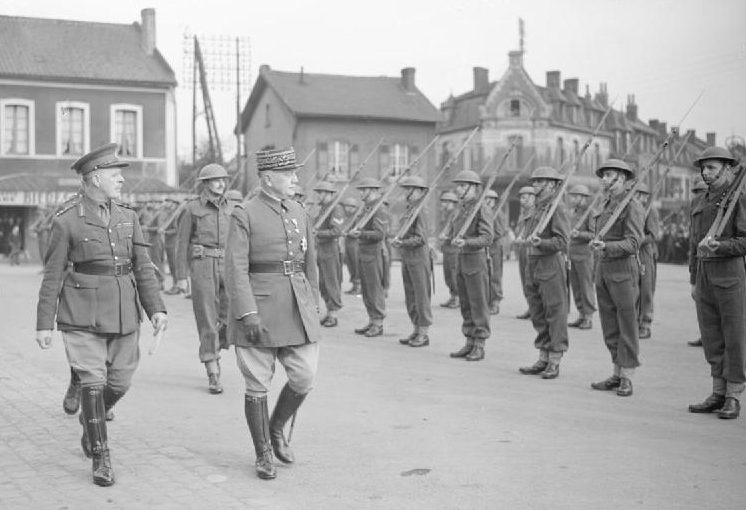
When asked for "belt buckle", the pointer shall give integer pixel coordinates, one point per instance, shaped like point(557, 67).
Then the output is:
point(118, 269)
point(287, 267)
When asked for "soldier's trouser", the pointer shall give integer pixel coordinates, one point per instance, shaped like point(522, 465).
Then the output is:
point(616, 289)
point(156, 252)
point(371, 267)
point(720, 296)
point(330, 284)
point(522, 255)
point(108, 360)
point(351, 258)
point(418, 290)
point(210, 304)
point(546, 292)
point(257, 365)
point(450, 269)
point(496, 276)
point(171, 256)
point(647, 289)
point(581, 281)
point(473, 292)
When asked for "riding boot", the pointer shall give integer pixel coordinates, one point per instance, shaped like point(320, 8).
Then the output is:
point(71, 402)
point(257, 417)
point(287, 405)
point(95, 440)
point(111, 397)
point(466, 349)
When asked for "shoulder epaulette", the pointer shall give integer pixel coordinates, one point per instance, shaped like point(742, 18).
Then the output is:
point(125, 205)
point(69, 204)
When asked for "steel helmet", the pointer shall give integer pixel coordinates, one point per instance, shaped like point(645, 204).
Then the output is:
point(325, 186)
point(233, 194)
point(642, 188)
point(546, 172)
point(350, 202)
point(212, 171)
point(527, 190)
point(467, 176)
point(448, 196)
point(616, 164)
point(368, 183)
point(715, 153)
point(414, 181)
point(491, 193)
point(579, 189)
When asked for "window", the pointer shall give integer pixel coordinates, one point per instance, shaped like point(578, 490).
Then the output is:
point(126, 129)
point(73, 123)
point(339, 159)
point(384, 160)
point(17, 127)
point(267, 118)
point(517, 156)
point(399, 158)
point(560, 154)
point(596, 156)
point(322, 158)
point(515, 108)
point(576, 148)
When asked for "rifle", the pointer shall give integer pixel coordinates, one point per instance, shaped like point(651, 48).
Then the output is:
point(161, 230)
point(412, 216)
point(338, 197)
point(513, 181)
point(659, 184)
point(368, 215)
point(727, 206)
point(482, 197)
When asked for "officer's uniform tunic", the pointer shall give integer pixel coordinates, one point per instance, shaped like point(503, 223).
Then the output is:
point(271, 270)
point(649, 267)
point(720, 287)
point(416, 269)
point(581, 266)
point(496, 257)
point(97, 304)
point(371, 264)
point(472, 276)
point(203, 228)
point(617, 277)
point(329, 259)
point(545, 280)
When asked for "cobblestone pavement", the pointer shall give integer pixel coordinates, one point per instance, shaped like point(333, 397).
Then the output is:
point(387, 427)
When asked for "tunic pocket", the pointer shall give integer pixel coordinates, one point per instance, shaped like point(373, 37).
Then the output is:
point(78, 301)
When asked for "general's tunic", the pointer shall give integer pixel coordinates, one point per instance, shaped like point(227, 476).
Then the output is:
point(720, 286)
point(416, 267)
point(545, 280)
point(267, 233)
point(581, 265)
point(329, 258)
point(617, 276)
point(473, 273)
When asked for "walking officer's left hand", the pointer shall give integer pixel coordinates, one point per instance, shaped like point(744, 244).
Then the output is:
point(159, 321)
point(44, 338)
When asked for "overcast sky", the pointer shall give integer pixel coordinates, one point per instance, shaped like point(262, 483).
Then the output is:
point(665, 52)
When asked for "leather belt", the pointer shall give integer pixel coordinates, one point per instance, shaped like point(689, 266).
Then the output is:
point(286, 267)
point(217, 253)
point(100, 269)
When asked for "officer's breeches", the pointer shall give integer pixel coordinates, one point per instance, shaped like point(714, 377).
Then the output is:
point(522, 255)
point(330, 284)
point(450, 270)
point(616, 289)
point(370, 266)
point(473, 291)
point(581, 281)
point(720, 295)
point(108, 360)
point(647, 289)
point(417, 279)
point(210, 304)
point(496, 276)
point(546, 292)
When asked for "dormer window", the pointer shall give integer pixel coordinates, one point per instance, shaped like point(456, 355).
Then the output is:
point(515, 108)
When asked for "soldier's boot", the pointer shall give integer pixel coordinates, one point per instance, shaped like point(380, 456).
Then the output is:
point(608, 384)
point(644, 332)
point(287, 405)
point(495, 307)
point(695, 343)
point(406, 340)
point(524, 315)
point(95, 440)
point(361, 331)
point(466, 349)
point(71, 402)
point(586, 323)
point(257, 417)
point(375, 329)
point(357, 288)
point(420, 339)
point(576, 323)
point(730, 410)
point(553, 364)
point(477, 353)
point(711, 404)
point(452, 302)
point(538, 367)
point(213, 377)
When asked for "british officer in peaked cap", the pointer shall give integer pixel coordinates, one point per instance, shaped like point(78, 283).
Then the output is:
point(97, 305)
point(273, 290)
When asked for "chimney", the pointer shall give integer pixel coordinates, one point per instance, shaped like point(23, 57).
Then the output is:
point(587, 91)
point(447, 108)
point(301, 77)
point(653, 123)
point(571, 85)
point(602, 96)
point(481, 80)
point(711, 139)
point(515, 59)
point(553, 79)
point(631, 107)
point(663, 128)
point(692, 134)
point(407, 79)
point(147, 30)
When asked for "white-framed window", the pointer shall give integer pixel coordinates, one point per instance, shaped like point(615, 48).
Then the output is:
point(73, 121)
point(399, 157)
point(126, 130)
point(339, 159)
point(17, 127)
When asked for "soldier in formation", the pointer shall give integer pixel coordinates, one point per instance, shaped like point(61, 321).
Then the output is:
point(581, 257)
point(527, 199)
point(416, 265)
point(448, 205)
point(202, 233)
point(648, 256)
point(97, 302)
point(500, 226)
point(272, 281)
point(350, 207)
point(328, 254)
point(698, 188)
point(545, 277)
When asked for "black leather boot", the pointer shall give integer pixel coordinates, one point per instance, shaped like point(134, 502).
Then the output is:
point(71, 402)
point(287, 404)
point(257, 417)
point(711, 404)
point(95, 440)
point(466, 349)
point(534, 369)
point(730, 410)
point(477, 353)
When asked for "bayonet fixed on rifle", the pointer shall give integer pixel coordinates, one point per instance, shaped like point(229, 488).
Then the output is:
point(659, 185)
